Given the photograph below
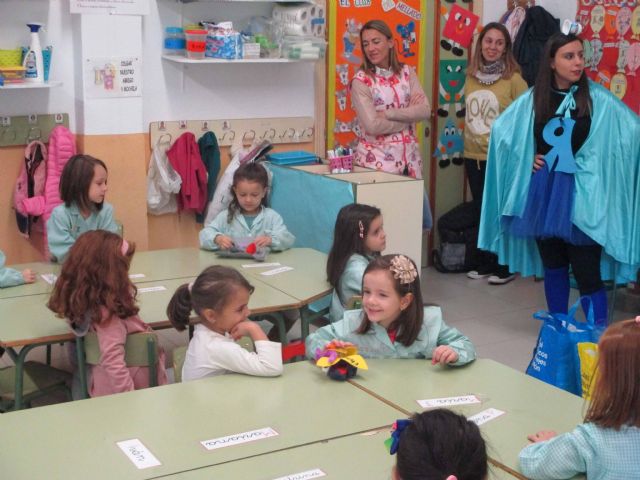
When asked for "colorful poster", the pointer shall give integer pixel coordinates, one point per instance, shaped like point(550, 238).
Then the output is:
point(612, 46)
point(406, 20)
point(112, 77)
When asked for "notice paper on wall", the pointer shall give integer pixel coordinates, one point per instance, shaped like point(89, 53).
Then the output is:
point(485, 416)
point(448, 401)
point(307, 474)
point(110, 7)
point(276, 271)
point(239, 438)
point(159, 288)
point(109, 77)
point(139, 455)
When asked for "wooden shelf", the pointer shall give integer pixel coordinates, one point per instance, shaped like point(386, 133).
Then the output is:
point(17, 86)
point(181, 59)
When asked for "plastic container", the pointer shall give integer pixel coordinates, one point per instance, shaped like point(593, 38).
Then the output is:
point(11, 58)
point(341, 163)
point(10, 75)
point(174, 41)
point(296, 157)
point(196, 43)
point(33, 61)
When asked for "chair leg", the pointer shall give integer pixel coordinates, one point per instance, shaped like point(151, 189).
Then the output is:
point(151, 353)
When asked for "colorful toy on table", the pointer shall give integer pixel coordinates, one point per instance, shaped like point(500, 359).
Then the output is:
point(245, 247)
point(341, 360)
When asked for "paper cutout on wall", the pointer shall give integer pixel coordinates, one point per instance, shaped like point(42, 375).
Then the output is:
point(623, 46)
point(596, 52)
point(604, 78)
point(408, 34)
point(458, 29)
point(633, 58)
point(623, 21)
point(452, 77)
point(619, 85)
point(610, 27)
point(635, 23)
point(450, 145)
point(342, 70)
point(597, 19)
point(350, 38)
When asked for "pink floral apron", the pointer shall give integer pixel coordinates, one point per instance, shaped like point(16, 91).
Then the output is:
point(394, 152)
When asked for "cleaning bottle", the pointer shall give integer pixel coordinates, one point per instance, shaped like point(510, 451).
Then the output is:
point(33, 62)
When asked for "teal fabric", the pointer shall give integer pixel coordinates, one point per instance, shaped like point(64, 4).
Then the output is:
point(607, 196)
point(377, 344)
point(309, 204)
point(9, 277)
point(601, 453)
point(210, 155)
point(350, 284)
point(66, 224)
point(267, 222)
point(249, 219)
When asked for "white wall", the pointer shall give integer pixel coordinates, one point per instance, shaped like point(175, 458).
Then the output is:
point(170, 91)
point(562, 9)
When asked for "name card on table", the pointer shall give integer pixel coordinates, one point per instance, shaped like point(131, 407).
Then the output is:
point(136, 275)
point(50, 278)
point(485, 416)
point(239, 438)
point(276, 271)
point(260, 265)
point(139, 455)
point(159, 288)
point(448, 401)
point(315, 473)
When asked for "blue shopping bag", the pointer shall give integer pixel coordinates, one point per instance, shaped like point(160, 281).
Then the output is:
point(555, 357)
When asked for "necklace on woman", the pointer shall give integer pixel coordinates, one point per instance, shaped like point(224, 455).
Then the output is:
point(488, 74)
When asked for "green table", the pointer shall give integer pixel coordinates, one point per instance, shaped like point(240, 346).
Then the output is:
point(78, 439)
point(530, 405)
point(37, 288)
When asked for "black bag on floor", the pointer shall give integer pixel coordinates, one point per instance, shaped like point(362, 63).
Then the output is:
point(458, 232)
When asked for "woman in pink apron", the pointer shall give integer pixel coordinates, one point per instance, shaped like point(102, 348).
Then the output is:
point(388, 100)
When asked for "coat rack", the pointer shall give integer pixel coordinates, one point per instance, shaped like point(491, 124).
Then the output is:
point(21, 130)
point(276, 130)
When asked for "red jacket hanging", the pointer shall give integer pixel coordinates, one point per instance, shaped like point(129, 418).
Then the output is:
point(184, 156)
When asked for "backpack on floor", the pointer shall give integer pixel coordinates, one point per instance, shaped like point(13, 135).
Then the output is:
point(458, 232)
point(30, 183)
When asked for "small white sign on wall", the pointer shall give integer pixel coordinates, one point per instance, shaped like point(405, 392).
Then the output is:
point(112, 77)
point(110, 7)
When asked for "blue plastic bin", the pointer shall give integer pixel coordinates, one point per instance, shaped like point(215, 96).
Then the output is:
point(296, 157)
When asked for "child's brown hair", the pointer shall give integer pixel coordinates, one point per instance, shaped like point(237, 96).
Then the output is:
point(94, 276)
point(76, 179)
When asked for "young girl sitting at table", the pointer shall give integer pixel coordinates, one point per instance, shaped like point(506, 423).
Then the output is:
point(10, 277)
point(393, 322)
point(83, 186)
point(220, 298)
point(606, 446)
point(438, 444)
point(358, 237)
point(94, 293)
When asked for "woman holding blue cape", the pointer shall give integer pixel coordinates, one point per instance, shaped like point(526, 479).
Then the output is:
point(562, 191)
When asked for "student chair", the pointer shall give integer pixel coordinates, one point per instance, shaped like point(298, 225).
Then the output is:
point(39, 380)
point(354, 303)
point(141, 350)
point(177, 360)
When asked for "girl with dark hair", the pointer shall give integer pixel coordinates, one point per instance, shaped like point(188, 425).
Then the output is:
point(83, 186)
point(220, 298)
point(357, 238)
point(579, 208)
point(438, 445)
point(388, 100)
point(607, 444)
point(393, 322)
point(493, 82)
point(94, 293)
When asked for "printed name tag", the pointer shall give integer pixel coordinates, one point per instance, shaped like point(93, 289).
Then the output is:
point(315, 473)
point(260, 265)
point(159, 288)
point(238, 438)
point(485, 416)
point(276, 271)
point(139, 455)
point(50, 278)
point(448, 401)
point(137, 275)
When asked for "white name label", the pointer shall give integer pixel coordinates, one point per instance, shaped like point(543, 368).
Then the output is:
point(139, 455)
point(239, 438)
point(448, 401)
point(276, 271)
point(137, 275)
point(315, 473)
point(50, 278)
point(485, 416)
point(260, 265)
point(159, 288)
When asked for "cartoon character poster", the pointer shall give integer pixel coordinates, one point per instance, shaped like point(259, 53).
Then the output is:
point(611, 34)
point(406, 19)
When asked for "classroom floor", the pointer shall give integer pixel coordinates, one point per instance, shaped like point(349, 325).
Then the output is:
point(497, 318)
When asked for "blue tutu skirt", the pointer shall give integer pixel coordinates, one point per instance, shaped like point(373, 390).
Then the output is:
point(548, 210)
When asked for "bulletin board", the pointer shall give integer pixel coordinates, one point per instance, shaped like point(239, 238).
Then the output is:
point(611, 34)
point(406, 20)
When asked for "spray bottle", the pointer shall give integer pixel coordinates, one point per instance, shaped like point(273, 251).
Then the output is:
point(33, 62)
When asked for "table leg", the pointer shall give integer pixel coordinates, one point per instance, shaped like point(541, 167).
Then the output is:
point(82, 367)
point(19, 380)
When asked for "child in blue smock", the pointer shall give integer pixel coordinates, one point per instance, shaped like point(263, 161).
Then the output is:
point(10, 277)
point(393, 322)
point(83, 185)
point(607, 445)
point(358, 237)
point(247, 215)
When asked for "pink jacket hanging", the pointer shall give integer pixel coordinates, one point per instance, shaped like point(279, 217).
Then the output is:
point(184, 156)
